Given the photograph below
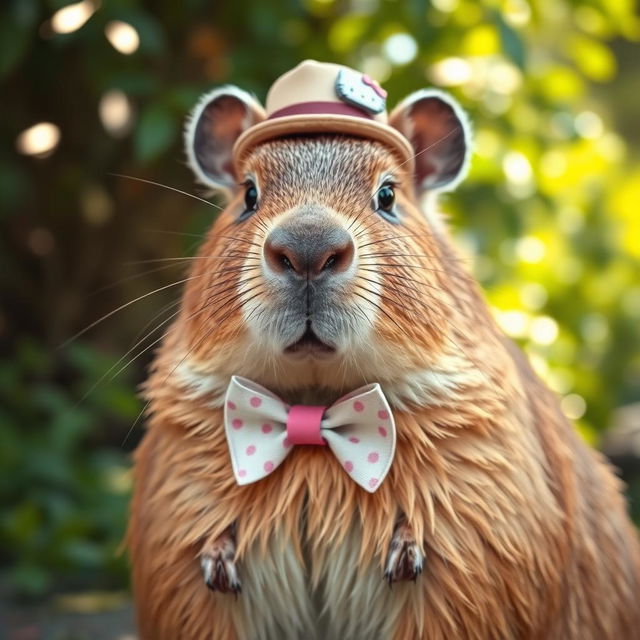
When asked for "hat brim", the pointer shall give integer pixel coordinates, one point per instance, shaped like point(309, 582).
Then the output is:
point(329, 123)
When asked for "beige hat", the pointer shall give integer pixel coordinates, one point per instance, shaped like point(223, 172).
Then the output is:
point(320, 97)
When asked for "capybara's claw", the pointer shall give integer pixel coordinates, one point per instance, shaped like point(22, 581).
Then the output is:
point(217, 561)
point(405, 559)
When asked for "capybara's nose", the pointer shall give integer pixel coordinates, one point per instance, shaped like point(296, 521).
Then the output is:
point(308, 247)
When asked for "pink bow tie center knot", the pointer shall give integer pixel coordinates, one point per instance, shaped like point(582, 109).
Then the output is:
point(303, 425)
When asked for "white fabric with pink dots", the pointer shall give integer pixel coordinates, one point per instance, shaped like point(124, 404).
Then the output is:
point(358, 429)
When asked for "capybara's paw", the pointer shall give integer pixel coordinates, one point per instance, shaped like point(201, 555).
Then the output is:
point(405, 559)
point(217, 561)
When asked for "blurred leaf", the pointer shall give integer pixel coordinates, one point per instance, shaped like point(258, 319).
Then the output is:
point(345, 32)
point(482, 40)
point(560, 84)
point(13, 46)
point(82, 552)
point(30, 579)
point(511, 42)
point(123, 403)
point(16, 32)
point(156, 131)
point(593, 58)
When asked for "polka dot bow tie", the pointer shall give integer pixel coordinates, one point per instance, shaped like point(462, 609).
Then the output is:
point(261, 431)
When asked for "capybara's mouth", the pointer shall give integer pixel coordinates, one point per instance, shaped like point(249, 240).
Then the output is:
point(309, 344)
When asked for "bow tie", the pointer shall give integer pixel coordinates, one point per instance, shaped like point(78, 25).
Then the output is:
point(261, 430)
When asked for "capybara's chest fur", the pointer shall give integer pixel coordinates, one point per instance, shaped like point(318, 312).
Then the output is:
point(524, 533)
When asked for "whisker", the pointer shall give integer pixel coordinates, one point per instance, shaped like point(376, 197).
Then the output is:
point(166, 186)
point(234, 286)
point(187, 258)
point(127, 279)
point(409, 267)
point(409, 235)
point(433, 144)
point(396, 301)
point(400, 277)
point(375, 304)
point(387, 254)
point(255, 244)
point(237, 296)
point(176, 233)
point(135, 346)
point(126, 304)
point(143, 410)
point(163, 310)
point(189, 352)
point(369, 280)
point(203, 236)
point(173, 315)
point(421, 302)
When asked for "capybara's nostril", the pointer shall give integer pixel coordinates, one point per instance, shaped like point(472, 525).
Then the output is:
point(308, 251)
point(335, 259)
point(280, 258)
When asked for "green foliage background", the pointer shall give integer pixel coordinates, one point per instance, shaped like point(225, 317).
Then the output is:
point(548, 216)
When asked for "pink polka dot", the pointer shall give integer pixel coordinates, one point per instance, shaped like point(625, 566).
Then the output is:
point(251, 450)
point(382, 431)
point(383, 415)
point(373, 482)
point(267, 428)
point(373, 457)
point(354, 440)
point(255, 401)
point(242, 473)
point(237, 423)
point(358, 406)
point(287, 443)
point(268, 466)
point(231, 405)
point(348, 466)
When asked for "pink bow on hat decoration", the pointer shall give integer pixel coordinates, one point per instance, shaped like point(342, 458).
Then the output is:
point(261, 431)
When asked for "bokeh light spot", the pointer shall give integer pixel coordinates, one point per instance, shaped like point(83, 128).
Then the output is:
point(554, 163)
point(517, 12)
point(589, 124)
point(595, 328)
point(516, 168)
point(451, 72)
point(40, 241)
point(446, 6)
point(513, 322)
point(573, 406)
point(115, 112)
point(376, 67)
point(400, 48)
point(543, 330)
point(530, 249)
point(73, 16)
point(533, 296)
point(122, 36)
point(39, 140)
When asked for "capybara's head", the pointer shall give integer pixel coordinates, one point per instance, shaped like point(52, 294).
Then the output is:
point(323, 269)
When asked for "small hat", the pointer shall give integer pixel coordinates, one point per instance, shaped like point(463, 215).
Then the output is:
point(320, 97)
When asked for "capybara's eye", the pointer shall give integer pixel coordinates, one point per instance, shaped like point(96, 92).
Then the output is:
point(250, 198)
point(385, 202)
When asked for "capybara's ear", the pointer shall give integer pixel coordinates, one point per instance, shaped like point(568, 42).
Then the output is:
point(214, 125)
point(439, 132)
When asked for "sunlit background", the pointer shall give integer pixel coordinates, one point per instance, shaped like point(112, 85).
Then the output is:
point(549, 220)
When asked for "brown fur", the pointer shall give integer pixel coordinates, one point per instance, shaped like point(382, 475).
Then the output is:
point(523, 527)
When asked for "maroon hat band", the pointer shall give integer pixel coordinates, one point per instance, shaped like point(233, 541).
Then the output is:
point(320, 108)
